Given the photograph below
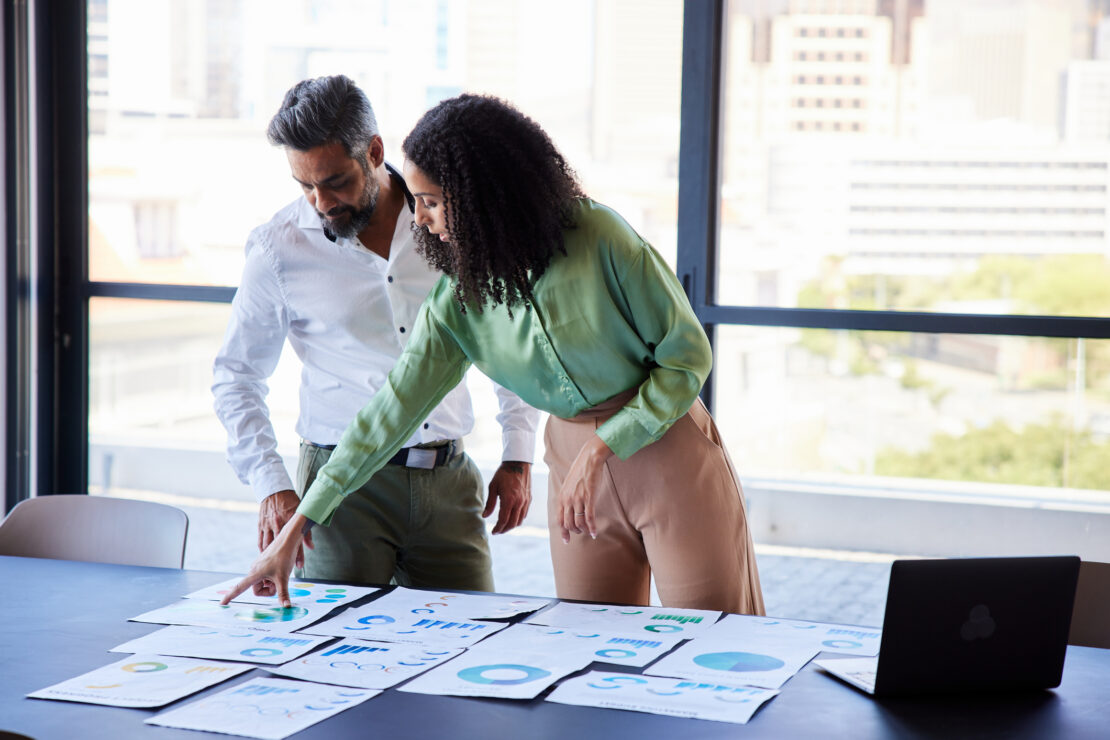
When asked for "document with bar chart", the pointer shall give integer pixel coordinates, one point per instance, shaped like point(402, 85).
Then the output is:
point(597, 646)
point(649, 620)
point(266, 708)
point(380, 622)
point(365, 665)
point(459, 606)
point(222, 644)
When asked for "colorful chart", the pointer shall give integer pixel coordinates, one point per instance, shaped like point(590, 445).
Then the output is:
point(705, 659)
point(272, 614)
point(615, 653)
point(145, 667)
point(305, 591)
point(738, 662)
point(239, 617)
point(376, 619)
point(502, 674)
point(259, 652)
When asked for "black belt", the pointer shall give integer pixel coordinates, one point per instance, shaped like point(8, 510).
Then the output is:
point(425, 458)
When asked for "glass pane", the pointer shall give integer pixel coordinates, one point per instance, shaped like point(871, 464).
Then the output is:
point(1011, 421)
point(152, 432)
point(180, 93)
point(948, 156)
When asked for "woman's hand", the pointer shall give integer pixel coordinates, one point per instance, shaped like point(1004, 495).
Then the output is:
point(575, 500)
point(270, 572)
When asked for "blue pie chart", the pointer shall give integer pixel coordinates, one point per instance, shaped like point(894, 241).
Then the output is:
point(738, 662)
point(502, 674)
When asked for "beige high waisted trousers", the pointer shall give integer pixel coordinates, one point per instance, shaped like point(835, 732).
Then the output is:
point(674, 510)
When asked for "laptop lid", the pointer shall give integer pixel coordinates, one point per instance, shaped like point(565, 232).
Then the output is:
point(976, 624)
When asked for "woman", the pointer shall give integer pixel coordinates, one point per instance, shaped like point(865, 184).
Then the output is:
point(555, 297)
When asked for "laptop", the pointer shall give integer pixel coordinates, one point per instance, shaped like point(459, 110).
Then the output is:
point(969, 624)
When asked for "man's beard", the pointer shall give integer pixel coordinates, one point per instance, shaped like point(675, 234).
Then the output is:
point(356, 219)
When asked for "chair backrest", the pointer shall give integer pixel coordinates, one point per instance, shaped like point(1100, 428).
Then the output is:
point(96, 529)
point(1090, 617)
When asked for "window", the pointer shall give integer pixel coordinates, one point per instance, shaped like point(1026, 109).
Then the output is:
point(946, 279)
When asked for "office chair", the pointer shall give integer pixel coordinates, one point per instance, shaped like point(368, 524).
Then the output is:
point(96, 529)
point(1090, 617)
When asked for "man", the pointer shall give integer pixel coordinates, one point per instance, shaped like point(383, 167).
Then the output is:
point(337, 274)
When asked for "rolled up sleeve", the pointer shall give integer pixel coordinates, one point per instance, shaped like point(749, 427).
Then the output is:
point(681, 356)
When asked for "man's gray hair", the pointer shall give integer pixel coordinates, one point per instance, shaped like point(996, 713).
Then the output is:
point(321, 111)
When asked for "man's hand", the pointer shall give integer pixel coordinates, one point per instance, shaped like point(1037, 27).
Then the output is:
point(275, 511)
point(512, 483)
point(269, 575)
point(574, 503)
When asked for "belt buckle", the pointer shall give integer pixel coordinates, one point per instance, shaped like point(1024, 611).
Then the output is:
point(421, 458)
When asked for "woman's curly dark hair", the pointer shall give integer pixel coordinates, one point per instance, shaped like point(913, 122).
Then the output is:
point(508, 195)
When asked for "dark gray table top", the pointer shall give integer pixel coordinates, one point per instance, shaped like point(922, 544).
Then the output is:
point(59, 618)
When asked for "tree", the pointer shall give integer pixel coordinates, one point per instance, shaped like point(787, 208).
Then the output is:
point(1050, 454)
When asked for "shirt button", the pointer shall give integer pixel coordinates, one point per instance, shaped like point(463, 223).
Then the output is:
point(390, 278)
point(427, 426)
point(402, 330)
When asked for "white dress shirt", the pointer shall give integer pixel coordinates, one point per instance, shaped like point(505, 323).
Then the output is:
point(347, 313)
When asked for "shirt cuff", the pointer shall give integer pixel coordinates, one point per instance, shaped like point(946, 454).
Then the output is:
point(518, 446)
point(320, 502)
point(625, 435)
point(270, 480)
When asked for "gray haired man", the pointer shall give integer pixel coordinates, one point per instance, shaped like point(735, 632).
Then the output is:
point(336, 274)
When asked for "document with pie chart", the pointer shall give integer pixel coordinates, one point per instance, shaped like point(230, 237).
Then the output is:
point(300, 592)
point(143, 681)
point(765, 663)
point(498, 674)
point(248, 616)
point(248, 646)
point(364, 664)
point(835, 638)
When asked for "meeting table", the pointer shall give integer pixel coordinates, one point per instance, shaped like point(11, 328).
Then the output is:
point(59, 619)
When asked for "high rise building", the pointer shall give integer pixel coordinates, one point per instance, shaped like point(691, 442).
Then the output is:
point(999, 59)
